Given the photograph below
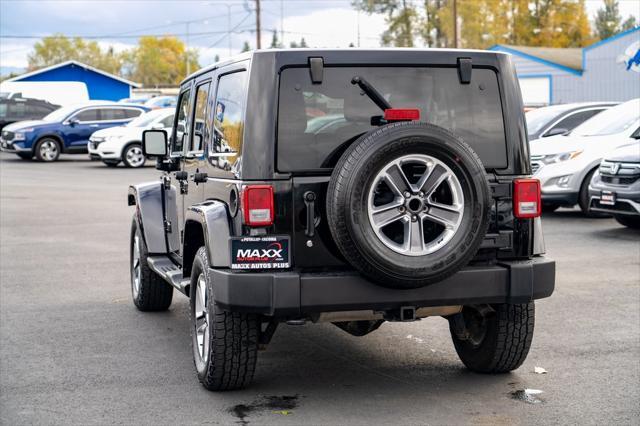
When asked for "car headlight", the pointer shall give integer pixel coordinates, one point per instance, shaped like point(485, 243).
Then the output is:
point(18, 137)
point(114, 138)
point(559, 158)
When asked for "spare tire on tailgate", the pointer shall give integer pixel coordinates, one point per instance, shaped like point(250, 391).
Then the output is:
point(408, 204)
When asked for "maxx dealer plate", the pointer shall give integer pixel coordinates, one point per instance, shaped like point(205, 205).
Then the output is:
point(264, 252)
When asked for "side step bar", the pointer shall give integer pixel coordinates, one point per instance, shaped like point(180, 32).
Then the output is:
point(170, 272)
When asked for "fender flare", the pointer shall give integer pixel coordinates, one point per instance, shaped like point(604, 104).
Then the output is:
point(207, 224)
point(147, 197)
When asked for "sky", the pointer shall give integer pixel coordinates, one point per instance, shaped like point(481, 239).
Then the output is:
point(117, 23)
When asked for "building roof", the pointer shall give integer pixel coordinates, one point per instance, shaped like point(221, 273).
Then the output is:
point(569, 57)
point(76, 63)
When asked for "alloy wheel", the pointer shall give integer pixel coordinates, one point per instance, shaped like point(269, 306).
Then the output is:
point(201, 316)
point(134, 156)
point(415, 205)
point(48, 150)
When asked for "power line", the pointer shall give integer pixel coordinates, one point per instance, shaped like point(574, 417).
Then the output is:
point(107, 36)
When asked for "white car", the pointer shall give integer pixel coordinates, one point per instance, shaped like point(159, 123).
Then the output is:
point(565, 164)
point(124, 143)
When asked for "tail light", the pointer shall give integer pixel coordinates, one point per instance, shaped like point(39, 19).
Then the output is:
point(526, 198)
point(257, 205)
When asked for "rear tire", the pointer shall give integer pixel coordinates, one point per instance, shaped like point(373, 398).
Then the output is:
point(629, 221)
point(150, 292)
point(47, 150)
point(225, 344)
point(498, 342)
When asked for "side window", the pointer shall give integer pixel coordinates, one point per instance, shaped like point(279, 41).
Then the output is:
point(229, 113)
point(573, 120)
point(17, 109)
point(132, 113)
point(167, 122)
point(112, 114)
point(180, 130)
point(200, 134)
point(87, 115)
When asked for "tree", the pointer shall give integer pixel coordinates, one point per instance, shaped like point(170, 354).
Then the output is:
point(54, 49)
point(629, 23)
point(303, 42)
point(246, 47)
point(160, 61)
point(560, 23)
point(275, 43)
point(608, 20)
point(216, 58)
point(402, 20)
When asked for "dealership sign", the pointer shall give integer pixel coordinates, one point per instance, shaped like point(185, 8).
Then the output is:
point(631, 57)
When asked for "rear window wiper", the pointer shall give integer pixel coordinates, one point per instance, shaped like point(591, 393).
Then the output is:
point(371, 92)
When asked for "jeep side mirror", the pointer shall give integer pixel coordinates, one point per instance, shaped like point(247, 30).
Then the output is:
point(555, 131)
point(154, 143)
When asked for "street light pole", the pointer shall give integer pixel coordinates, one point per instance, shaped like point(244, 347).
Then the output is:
point(258, 44)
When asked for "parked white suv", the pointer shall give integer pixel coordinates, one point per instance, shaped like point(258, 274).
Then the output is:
point(124, 143)
point(565, 164)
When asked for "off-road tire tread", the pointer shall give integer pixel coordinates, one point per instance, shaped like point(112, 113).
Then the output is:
point(336, 210)
point(510, 338)
point(234, 344)
point(155, 293)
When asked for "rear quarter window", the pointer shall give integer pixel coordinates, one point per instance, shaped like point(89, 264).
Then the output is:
point(315, 120)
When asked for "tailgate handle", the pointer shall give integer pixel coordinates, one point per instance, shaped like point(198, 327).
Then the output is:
point(310, 202)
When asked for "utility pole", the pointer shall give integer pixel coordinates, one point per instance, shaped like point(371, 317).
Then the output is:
point(455, 24)
point(187, 51)
point(258, 44)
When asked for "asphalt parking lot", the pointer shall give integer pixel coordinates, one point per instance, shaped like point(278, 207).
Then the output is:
point(74, 350)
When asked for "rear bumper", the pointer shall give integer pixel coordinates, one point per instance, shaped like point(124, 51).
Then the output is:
point(294, 294)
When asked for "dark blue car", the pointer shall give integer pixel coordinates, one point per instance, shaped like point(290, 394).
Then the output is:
point(66, 130)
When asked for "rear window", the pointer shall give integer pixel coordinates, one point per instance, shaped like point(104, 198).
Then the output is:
point(316, 120)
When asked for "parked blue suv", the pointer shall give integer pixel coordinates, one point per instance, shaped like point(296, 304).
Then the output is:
point(66, 130)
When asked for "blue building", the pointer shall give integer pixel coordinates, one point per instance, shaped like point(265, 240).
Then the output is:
point(608, 70)
point(100, 84)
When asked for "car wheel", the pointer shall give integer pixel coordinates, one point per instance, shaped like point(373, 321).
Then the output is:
point(111, 163)
point(628, 220)
point(48, 150)
point(225, 344)
point(496, 340)
point(133, 157)
point(583, 197)
point(408, 204)
point(150, 292)
point(25, 156)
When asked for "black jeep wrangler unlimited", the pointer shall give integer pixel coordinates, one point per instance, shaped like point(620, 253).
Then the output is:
point(344, 186)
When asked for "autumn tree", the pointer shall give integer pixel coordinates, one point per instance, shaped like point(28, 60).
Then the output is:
point(57, 48)
point(160, 61)
point(560, 23)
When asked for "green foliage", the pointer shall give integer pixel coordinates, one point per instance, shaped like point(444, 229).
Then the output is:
point(401, 18)
point(608, 20)
point(154, 61)
point(57, 48)
point(275, 43)
point(246, 47)
point(629, 23)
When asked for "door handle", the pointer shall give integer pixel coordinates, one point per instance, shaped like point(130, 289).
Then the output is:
point(310, 202)
point(200, 177)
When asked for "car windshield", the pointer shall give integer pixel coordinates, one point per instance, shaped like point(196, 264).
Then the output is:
point(612, 121)
point(538, 118)
point(60, 114)
point(146, 119)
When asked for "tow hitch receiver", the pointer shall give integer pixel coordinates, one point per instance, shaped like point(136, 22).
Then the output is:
point(403, 314)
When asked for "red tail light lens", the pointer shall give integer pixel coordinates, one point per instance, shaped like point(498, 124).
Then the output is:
point(526, 198)
point(399, 114)
point(257, 205)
